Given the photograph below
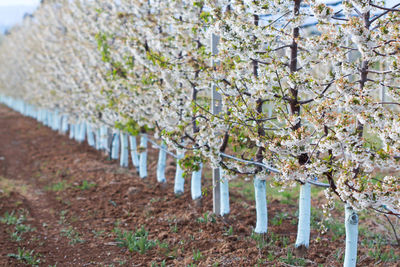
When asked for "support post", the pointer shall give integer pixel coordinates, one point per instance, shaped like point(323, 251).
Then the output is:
point(216, 191)
point(215, 109)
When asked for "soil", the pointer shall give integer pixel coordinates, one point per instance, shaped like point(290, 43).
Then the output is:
point(74, 198)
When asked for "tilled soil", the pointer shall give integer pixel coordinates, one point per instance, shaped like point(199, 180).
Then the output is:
point(76, 201)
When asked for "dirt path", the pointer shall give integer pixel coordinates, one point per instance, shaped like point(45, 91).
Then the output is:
point(29, 154)
point(74, 207)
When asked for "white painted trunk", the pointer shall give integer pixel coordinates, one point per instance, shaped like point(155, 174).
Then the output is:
point(303, 227)
point(98, 139)
point(124, 159)
point(115, 145)
point(82, 131)
point(77, 128)
point(104, 137)
point(351, 223)
point(162, 158)
point(90, 135)
point(71, 131)
point(261, 206)
point(196, 183)
point(134, 154)
point(56, 121)
point(143, 157)
point(64, 127)
point(224, 189)
point(179, 179)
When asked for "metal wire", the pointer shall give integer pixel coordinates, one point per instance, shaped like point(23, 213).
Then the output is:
point(161, 148)
point(249, 162)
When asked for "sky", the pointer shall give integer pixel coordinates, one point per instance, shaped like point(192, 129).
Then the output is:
point(19, 2)
point(12, 11)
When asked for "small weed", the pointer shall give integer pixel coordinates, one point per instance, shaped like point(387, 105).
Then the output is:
point(27, 256)
point(86, 185)
point(63, 201)
point(60, 186)
point(153, 200)
point(197, 255)
point(377, 250)
point(162, 245)
point(292, 260)
point(337, 228)
point(134, 241)
point(19, 230)
point(339, 255)
point(270, 256)
point(174, 228)
point(278, 219)
point(288, 198)
point(22, 228)
point(182, 243)
point(15, 236)
point(260, 240)
point(285, 241)
point(72, 235)
point(162, 264)
point(63, 214)
point(261, 262)
point(229, 231)
point(9, 218)
point(98, 233)
point(207, 217)
point(112, 202)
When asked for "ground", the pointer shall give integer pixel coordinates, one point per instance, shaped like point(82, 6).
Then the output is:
point(63, 203)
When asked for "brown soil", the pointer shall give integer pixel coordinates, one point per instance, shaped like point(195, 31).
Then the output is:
point(33, 162)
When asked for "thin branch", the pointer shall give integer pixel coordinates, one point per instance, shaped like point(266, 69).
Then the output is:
point(384, 13)
point(386, 8)
point(394, 230)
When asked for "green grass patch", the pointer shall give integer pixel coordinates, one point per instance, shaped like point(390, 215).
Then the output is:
point(60, 186)
point(26, 256)
point(134, 241)
point(85, 185)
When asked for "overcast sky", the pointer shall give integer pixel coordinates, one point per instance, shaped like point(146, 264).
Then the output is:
point(12, 11)
point(18, 2)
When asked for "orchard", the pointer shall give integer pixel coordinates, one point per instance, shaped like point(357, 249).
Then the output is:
point(282, 93)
